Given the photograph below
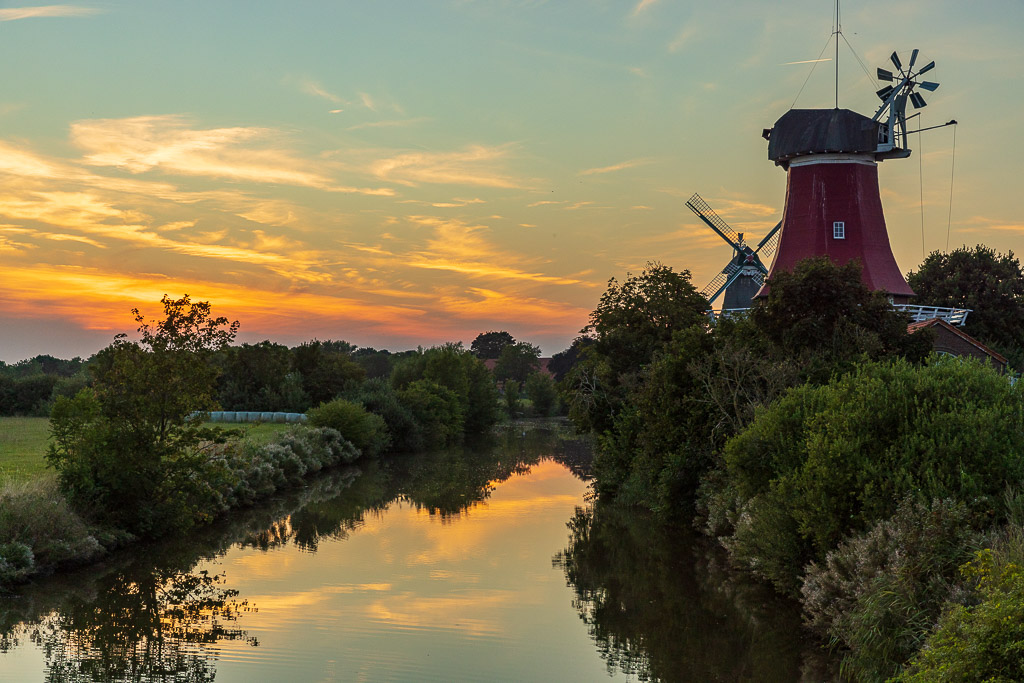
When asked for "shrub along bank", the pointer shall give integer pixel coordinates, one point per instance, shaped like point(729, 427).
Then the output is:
point(818, 442)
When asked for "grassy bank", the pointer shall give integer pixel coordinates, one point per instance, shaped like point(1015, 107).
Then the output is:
point(40, 531)
point(23, 443)
point(23, 447)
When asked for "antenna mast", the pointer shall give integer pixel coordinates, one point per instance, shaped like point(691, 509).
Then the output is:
point(838, 32)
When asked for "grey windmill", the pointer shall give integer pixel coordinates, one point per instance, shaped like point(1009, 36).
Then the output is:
point(743, 276)
point(892, 134)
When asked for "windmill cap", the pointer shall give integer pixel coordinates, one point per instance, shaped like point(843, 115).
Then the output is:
point(800, 132)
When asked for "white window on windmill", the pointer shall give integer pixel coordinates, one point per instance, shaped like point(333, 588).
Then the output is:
point(839, 230)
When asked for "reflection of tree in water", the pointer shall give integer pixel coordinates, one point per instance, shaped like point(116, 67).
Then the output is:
point(661, 606)
point(141, 626)
point(148, 615)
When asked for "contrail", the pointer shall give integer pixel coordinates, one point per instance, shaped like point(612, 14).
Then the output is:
point(808, 61)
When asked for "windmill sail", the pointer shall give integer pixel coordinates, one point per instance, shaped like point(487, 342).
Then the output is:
point(712, 219)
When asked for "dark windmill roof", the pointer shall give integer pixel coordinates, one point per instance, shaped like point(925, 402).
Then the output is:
point(801, 132)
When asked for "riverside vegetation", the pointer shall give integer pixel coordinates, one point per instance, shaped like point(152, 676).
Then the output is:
point(133, 459)
point(829, 452)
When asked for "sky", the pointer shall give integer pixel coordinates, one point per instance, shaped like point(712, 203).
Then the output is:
point(399, 173)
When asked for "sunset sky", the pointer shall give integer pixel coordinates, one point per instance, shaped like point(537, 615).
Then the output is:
point(401, 173)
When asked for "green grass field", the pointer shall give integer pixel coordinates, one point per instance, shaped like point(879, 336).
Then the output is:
point(23, 443)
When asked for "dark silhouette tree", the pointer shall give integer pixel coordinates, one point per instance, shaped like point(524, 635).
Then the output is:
point(488, 345)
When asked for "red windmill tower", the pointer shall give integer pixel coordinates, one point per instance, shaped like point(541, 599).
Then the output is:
point(831, 156)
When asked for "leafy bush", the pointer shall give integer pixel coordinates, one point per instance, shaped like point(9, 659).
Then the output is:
point(366, 431)
point(460, 372)
point(981, 642)
point(836, 459)
point(879, 593)
point(540, 389)
point(377, 396)
point(260, 470)
point(38, 530)
point(438, 411)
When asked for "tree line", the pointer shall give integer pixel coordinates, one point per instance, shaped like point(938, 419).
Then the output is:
point(828, 450)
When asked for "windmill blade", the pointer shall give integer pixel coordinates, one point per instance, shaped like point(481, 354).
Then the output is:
point(896, 61)
point(729, 275)
point(758, 278)
point(884, 74)
point(917, 100)
point(721, 281)
point(913, 58)
point(770, 241)
point(883, 94)
point(926, 68)
point(712, 220)
point(928, 85)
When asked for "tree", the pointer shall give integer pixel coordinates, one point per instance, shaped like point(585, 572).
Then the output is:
point(990, 284)
point(540, 389)
point(564, 361)
point(327, 369)
point(253, 376)
point(636, 318)
point(517, 362)
point(488, 345)
point(822, 315)
point(127, 450)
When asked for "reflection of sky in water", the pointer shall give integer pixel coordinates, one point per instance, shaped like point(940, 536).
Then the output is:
point(406, 597)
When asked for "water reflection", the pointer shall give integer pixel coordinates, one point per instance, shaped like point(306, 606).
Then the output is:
point(662, 605)
point(427, 567)
point(150, 614)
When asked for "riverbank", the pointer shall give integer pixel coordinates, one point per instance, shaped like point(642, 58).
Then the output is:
point(41, 533)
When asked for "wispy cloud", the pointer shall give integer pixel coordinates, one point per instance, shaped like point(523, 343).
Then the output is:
point(396, 123)
point(643, 5)
point(368, 101)
point(170, 144)
point(461, 248)
point(621, 166)
point(684, 37)
point(477, 165)
point(14, 13)
point(311, 87)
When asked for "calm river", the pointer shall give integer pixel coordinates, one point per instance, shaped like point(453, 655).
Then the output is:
point(488, 565)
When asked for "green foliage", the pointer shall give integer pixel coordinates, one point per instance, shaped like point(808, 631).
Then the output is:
point(258, 470)
point(983, 641)
point(38, 530)
point(513, 404)
point(990, 284)
point(878, 594)
point(825, 462)
point(540, 389)
point(253, 377)
point(461, 373)
point(380, 398)
point(824, 315)
point(326, 368)
point(638, 317)
point(437, 410)
point(564, 361)
point(517, 362)
point(367, 432)
point(129, 451)
point(488, 345)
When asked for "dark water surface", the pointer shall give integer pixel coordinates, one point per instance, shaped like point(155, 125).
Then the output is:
point(484, 565)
